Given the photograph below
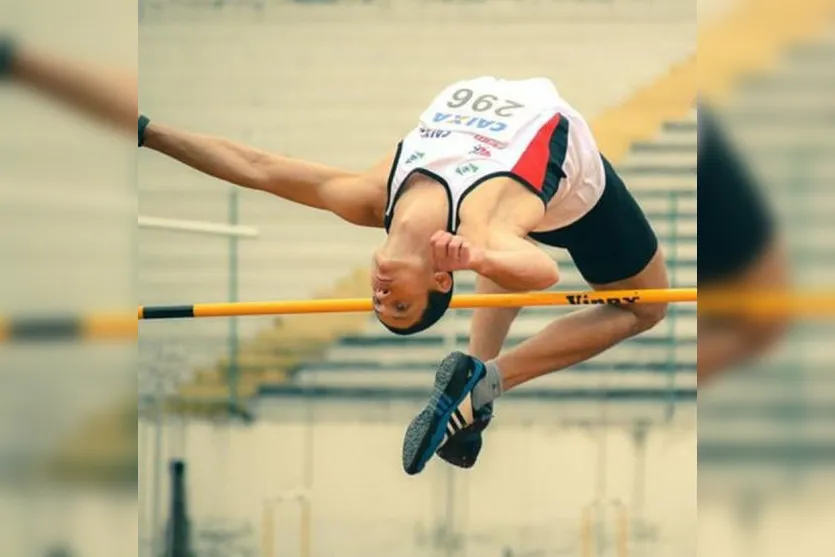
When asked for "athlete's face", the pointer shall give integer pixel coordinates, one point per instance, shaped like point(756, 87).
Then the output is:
point(399, 288)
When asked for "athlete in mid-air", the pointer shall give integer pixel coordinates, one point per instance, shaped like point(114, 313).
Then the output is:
point(491, 165)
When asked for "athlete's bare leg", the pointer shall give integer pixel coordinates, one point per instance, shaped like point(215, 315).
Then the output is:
point(565, 342)
point(571, 339)
point(489, 326)
point(586, 333)
point(723, 343)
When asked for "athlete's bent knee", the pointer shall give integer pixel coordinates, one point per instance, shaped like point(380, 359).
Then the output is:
point(648, 315)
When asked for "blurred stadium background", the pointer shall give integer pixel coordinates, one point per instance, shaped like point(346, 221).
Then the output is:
point(67, 206)
point(596, 461)
point(766, 444)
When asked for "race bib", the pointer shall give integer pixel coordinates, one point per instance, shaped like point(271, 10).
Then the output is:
point(485, 107)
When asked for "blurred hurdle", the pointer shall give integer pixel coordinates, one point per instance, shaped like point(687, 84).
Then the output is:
point(299, 497)
point(593, 528)
point(59, 328)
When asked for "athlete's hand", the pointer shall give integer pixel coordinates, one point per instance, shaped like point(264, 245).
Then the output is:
point(454, 253)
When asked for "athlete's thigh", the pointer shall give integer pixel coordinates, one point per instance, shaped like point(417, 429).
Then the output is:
point(654, 275)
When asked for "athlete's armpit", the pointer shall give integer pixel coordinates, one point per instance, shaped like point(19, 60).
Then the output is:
point(360, 198)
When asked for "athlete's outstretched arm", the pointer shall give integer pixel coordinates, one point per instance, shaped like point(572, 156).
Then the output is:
point(350, 195)
point(107, 95)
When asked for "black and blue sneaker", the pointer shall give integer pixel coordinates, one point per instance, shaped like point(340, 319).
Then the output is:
point(455, 379)
point(462, 448)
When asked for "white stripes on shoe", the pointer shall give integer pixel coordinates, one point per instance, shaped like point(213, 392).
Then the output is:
point(455, 424)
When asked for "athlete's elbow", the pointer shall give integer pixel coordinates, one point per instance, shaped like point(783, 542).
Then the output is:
point(548, 277)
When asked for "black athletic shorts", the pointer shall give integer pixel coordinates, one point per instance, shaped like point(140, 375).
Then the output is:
point(612, 242)
point(734, 224)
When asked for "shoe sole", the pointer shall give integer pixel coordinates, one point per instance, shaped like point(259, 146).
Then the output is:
point(427, 430)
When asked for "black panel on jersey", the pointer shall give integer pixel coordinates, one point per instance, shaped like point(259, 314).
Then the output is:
point(557, 150)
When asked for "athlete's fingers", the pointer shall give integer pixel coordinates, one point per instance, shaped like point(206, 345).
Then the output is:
point(438, 236)
point(441, 238)
point(455, 246)
point(439, 252)
point(439, 248)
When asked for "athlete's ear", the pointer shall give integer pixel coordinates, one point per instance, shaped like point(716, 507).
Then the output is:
point(443, 281)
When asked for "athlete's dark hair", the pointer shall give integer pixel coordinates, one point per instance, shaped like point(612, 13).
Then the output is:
point(436, 305)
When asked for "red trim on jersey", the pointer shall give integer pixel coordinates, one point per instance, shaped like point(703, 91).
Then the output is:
point(533, 163)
